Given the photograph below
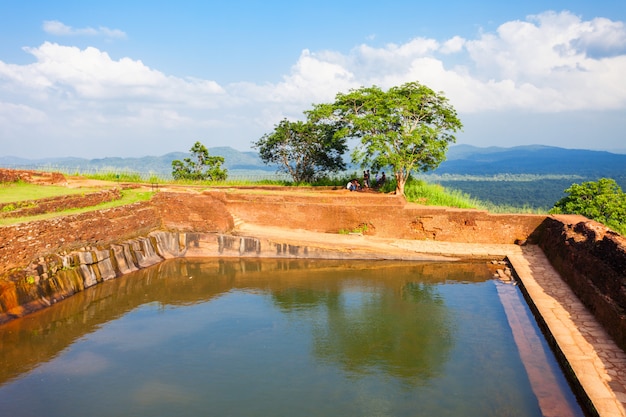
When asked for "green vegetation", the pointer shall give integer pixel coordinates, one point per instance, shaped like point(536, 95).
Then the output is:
point(128, 197)
point(21, 191)
point(306, 151)
point(133, 177)
point(407, 128)
point(362, 228)
point(603, 201)
point(421, 192)
point(537, 192)
point(201, 166)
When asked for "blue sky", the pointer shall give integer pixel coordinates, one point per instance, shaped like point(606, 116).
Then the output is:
point(134, 78)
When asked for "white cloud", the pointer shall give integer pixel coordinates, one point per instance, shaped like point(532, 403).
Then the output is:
point(551, 62)
point(544, 64)
point(453, 45)
point(74, 75)
point(54, 27)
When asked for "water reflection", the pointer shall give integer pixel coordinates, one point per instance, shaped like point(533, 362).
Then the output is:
point(408, 337)
point(294, 285)
point(252, 337)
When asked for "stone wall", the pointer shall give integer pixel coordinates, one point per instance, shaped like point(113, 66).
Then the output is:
point(380, 215)
point(592, 260)
point(57, 276)
point(23, 243)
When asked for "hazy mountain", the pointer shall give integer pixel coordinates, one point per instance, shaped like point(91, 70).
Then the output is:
point(461, 160)
point(162, 165)
point(535, 159)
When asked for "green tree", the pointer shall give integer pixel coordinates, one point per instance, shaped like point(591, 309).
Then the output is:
point(201, 166)
point(305, 150)
point(406, 128)
point(603, 201)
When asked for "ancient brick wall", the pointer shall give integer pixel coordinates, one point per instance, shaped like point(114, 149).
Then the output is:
point(592, 260)
point(381, 215)
point(188, 212)
point(22, 243)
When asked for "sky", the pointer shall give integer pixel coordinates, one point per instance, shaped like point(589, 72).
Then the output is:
point(144, 78)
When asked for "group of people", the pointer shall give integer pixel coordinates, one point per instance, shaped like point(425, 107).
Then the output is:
point(355, 185)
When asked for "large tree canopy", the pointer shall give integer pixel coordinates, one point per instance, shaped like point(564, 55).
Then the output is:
point(602, 201)
point(304, 150)
point(201, 166)
point(406, 128)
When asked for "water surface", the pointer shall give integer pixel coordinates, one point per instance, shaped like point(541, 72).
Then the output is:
point(215, 337)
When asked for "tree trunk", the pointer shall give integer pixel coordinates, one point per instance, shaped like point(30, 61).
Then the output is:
point(400, 182)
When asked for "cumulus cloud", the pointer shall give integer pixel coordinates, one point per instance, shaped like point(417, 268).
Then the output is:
point(547, 62)
point(551, 62)
point(74, 75)
point(54, 27)
point(83, 96)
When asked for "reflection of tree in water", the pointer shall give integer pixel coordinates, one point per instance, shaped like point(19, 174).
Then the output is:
point(405, 331)
point(304, 299)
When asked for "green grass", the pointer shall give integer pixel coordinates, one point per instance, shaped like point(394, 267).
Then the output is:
point(22, 191)
point(120, 176)
point(423, 192)
point(128, 197)
point(436, 195)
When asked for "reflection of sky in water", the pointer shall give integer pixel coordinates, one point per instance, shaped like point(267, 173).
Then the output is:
point(319, 346)
point(153, 393)
point(77, 363)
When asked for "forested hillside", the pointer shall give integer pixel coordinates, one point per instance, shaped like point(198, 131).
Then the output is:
point(533, 176)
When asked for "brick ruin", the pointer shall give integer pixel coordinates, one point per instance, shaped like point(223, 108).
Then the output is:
point(47, 260)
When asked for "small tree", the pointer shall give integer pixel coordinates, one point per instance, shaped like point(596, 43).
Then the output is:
point(603, 201)
point(201, 166)
point(304, 150)
point(406, 128)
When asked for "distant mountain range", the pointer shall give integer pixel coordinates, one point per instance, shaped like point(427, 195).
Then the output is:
point(535, 159)
point(461, 160)
point(534, 176)
point(235, 160)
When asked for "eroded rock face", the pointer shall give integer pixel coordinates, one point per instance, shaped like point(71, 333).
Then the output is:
point(592, 260)
point(55, 277)
point(22, 243)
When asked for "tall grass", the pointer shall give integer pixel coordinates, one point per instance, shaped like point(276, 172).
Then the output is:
point(421, 192)
point(432, 194)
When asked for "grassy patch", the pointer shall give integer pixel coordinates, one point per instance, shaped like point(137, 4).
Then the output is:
point(422, 192)
point(357, 230)
point(128, 197)
point(21, 191)
point(429, 194)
